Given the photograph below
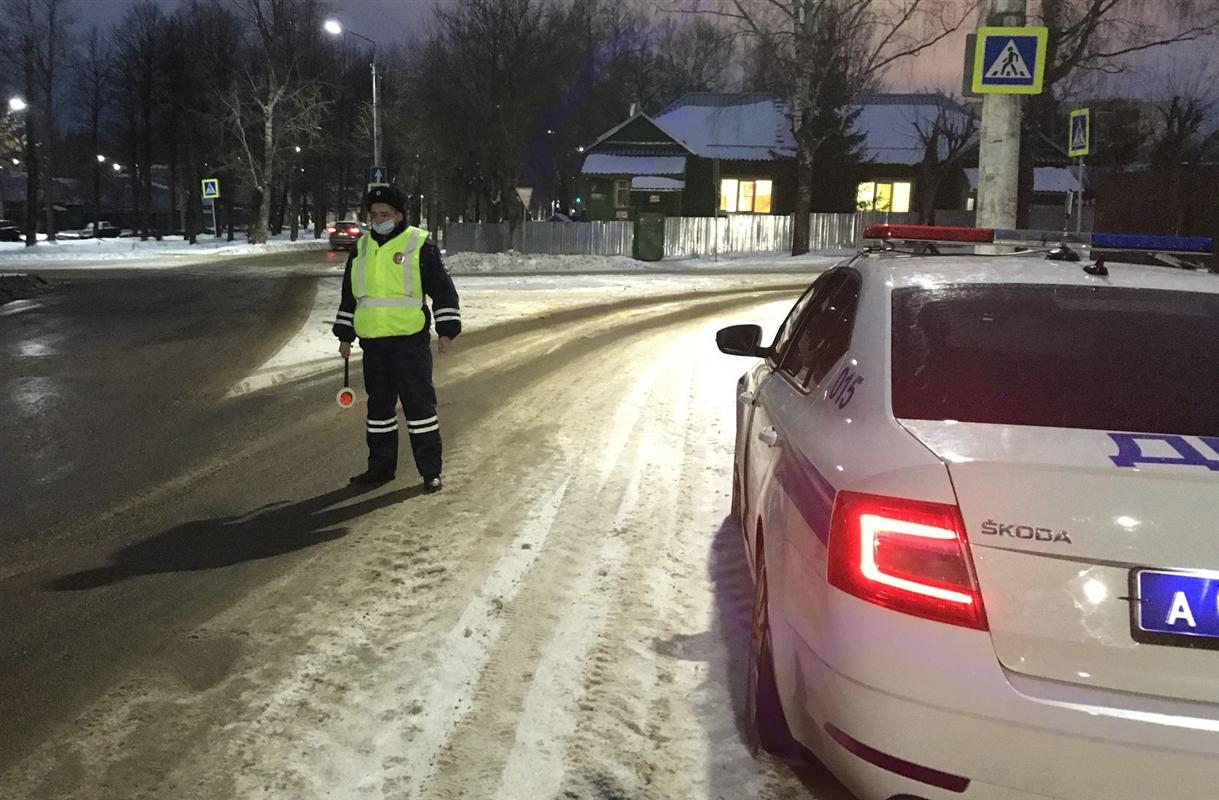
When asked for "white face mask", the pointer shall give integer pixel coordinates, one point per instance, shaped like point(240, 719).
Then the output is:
point(384, 227)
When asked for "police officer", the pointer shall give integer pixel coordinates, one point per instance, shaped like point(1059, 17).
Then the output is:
point(388, 273)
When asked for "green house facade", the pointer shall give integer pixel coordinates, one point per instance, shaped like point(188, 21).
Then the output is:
point(734, 151)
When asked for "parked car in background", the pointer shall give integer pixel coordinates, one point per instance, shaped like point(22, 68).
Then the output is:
point(344, 234)
point(9, 231)
point(105, 230)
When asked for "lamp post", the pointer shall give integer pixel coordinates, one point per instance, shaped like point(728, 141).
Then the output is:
point(97, 193)
point(17, 105)
point(335, 28)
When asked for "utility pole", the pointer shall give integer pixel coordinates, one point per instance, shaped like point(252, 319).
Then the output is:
point(999, 158)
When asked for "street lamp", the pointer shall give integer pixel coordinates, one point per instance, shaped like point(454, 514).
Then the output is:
point(101, 159)
point(117, 167)
point(17, 105)
point(335, 28)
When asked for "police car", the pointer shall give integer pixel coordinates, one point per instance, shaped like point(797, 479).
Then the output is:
point(980, 500)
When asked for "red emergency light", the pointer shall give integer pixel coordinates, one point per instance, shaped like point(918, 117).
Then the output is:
point(930, 233)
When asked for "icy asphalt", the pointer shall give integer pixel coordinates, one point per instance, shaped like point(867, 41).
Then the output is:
point(196, 606)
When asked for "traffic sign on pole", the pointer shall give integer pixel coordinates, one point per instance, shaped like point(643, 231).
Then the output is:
point(525, 193)
point(1010, 60)
point(211, 188)
point(1079, 142)
point(377, 176)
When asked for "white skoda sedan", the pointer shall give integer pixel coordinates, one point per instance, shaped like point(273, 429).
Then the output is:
point(980, 498)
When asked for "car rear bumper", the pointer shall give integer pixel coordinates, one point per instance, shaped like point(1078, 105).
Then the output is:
point(343, 241)
point(939, 699)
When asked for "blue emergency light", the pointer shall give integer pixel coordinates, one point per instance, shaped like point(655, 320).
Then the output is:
point(1184, 245)
point(1203, 245)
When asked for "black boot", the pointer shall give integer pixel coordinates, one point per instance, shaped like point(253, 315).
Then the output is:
point(432, 485)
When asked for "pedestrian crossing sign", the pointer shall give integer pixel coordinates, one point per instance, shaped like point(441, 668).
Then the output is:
point(211, 188)
point(1010, 60)
point(1080, 140)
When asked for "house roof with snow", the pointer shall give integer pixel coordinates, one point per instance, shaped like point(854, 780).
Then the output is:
point(756, 127)
point(890, 124)
point(743, 127)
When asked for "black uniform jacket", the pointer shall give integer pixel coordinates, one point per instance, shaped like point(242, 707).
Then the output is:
point(436, 284)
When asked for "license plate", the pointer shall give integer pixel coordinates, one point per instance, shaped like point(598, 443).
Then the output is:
point(1175, 608)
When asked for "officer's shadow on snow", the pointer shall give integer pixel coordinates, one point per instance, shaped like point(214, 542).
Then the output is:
point(267, 532)
point(725, 649)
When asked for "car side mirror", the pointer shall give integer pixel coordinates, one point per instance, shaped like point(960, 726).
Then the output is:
point(741, 340)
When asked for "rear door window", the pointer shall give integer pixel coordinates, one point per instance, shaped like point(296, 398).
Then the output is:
point(1100, 358)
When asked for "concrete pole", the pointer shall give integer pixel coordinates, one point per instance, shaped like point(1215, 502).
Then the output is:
point(999, 159)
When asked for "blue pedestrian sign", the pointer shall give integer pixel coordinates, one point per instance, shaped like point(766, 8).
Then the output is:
point(211, 188)
point(1079, 143)
point(1010, 60)
point(377, 176)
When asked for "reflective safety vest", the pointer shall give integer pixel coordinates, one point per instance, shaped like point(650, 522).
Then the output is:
point(387, 285)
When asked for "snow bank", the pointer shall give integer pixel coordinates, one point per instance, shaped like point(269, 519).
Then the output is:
point(131, 252)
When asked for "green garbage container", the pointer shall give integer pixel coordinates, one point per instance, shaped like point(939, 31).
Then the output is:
point(649, 236)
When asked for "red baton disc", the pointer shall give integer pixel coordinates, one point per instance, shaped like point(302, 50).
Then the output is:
point(346, 398)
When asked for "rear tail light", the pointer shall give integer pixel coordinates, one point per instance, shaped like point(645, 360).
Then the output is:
point(353, 230)
point(330, 229)
point(905, 555)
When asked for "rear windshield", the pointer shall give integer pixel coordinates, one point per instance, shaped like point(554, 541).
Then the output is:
point(1099, 358)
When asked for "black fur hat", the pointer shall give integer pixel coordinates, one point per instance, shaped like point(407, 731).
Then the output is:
point(390, 195)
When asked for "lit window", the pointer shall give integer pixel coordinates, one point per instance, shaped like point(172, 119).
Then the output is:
point(884, 196)
point(622, 194)
point(746, 196)
point(761, 201)
point(728, 192)
point(901, 197)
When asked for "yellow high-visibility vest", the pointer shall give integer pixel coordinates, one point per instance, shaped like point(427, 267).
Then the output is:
point(387, 285)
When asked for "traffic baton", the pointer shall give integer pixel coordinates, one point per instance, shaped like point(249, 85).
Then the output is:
point(346, 397)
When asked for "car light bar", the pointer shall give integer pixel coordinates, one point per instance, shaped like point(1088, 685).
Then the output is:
point(930, 233)
point(1192, 245)
point(1188, 245)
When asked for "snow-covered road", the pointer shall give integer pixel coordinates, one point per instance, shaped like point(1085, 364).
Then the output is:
point(568, 619)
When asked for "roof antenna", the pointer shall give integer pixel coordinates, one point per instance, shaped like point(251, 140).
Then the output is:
point(1099, 269)
point(1063, 252)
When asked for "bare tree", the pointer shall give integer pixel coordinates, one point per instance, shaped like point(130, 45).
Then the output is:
point(696, 57)
point(946, 139)
point(140, 42)
point(1100, 36)
point(274, 104)
point(38, 43)
point(93, 87)
point(493, 67)
point(823, 52)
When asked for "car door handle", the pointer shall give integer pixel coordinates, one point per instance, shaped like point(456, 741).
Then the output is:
point(745, 398)
point(769, 437)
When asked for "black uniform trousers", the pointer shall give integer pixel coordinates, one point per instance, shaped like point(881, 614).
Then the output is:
point(396, 371)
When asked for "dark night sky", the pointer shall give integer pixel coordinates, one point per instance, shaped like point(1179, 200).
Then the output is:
point(390, 21)
point(385, 21)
